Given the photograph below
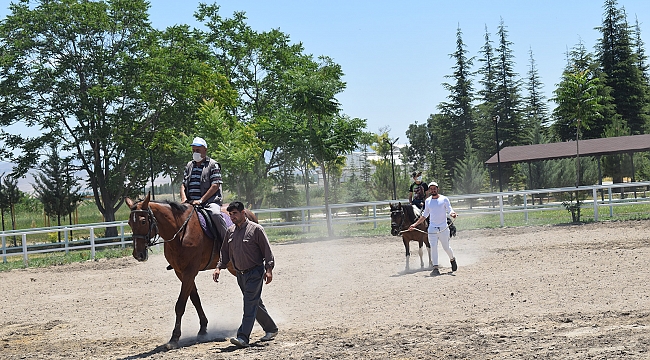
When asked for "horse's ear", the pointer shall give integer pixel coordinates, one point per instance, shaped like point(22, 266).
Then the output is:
point(128, 202)
point(399, 204)
point(145, 202)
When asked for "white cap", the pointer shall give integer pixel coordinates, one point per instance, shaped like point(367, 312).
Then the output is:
point(199, 142)
point(433, 183)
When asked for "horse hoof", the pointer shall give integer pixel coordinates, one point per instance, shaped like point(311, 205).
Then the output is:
point(171, 345)
point(202, 332)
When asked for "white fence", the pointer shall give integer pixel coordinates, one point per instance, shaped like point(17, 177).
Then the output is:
point(597, 197)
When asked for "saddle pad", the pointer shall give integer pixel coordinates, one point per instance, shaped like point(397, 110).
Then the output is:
point(204, 225)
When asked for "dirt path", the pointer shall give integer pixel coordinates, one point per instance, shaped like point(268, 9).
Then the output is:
point(565, 292)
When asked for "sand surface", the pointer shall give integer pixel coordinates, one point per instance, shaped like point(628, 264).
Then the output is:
point(554, 292)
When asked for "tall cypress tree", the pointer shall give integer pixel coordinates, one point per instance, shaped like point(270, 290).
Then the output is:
point(486, 109)
point(619, 62)
point(508, 95)
point(536, 108)
point(458, 116)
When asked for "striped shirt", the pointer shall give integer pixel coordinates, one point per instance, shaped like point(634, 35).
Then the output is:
point(194, 186)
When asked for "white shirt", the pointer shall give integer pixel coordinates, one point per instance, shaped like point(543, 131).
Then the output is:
point(437, 211)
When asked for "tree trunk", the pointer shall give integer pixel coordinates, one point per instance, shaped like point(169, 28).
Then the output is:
point(328, 217)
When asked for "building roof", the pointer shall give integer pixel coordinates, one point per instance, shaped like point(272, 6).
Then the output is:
point(591, 147)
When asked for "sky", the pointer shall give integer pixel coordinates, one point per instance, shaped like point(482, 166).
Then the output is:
point(395, 55)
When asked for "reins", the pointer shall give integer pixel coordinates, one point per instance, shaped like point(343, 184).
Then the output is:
point(153, 228)
point(425, 232)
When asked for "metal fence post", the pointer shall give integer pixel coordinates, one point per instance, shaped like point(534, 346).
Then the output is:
point(302, 219)
point(24, 243)
point(4, 249)
point(92, 243)
point(501, 208)
point(611, 207)
point(65, 240)
point(374, 214)
point(595, 194)
point(122, 235)
point(526, 207)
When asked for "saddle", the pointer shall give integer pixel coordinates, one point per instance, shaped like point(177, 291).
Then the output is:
point(207, 225)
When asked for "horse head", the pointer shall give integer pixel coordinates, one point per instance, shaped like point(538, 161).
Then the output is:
point(396, 218)
point(143, 225)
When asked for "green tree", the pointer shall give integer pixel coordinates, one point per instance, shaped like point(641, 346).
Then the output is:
point(56, 187)
point(98, 80)
point(507, 93)
point(11, 196)
point(620, 63)
point(578, 105)
point(328, 134)
point(257, 65)
point(535, 103)
point(457, 120)
point(469, 173)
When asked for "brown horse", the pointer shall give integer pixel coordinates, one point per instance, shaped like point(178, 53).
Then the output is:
point(401, 217)
point(187, 249)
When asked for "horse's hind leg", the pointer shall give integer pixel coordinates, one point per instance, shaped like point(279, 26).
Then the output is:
point(203, 320)
point(426, 242)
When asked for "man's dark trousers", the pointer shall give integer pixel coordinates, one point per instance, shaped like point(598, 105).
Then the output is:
point(250, 282)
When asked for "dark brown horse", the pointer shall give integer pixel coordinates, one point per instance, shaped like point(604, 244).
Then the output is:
point(187, 249)
point(401, 217)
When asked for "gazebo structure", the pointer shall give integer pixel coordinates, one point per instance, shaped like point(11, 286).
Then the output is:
point(591, 147)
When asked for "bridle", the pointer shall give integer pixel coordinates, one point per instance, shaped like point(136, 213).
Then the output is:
point(151, 238)
point(153, 227)
point(402, 215)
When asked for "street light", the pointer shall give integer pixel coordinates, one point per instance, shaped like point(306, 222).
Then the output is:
point(392, 161)
point(496, 134)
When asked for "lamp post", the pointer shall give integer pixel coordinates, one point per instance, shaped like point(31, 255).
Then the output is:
point(392, 161)
point(496, 135)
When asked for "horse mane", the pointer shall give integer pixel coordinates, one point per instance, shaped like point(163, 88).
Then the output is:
point(408, 210)
point(177, 208)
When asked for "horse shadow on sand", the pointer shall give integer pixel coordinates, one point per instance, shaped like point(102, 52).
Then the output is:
point(189, 342)
point(409, 271)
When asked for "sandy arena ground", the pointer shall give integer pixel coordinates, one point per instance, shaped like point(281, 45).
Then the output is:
point(561, 292)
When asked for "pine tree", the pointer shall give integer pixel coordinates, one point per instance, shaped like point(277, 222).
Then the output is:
point(458, 116)
point(486, 110)
point(536, 108)
point(619, 62)
point(508, 98)
point(56, 187)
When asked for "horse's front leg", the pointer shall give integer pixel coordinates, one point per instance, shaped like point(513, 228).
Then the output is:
point(187, 286)
point(408, 251)
point(203, 320)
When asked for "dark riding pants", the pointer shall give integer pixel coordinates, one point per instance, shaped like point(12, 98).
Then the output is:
point(250, 282)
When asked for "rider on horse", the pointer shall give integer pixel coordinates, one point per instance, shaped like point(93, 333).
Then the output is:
point(417, 191)
point(202, 184)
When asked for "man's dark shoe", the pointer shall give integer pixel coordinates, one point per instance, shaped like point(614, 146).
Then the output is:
point(454, 266)
point(239, 342)
point(435, 272)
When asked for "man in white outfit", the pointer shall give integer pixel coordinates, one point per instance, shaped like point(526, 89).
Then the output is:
point(437, 207)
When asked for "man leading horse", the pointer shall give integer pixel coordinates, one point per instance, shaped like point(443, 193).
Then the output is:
point(202, 184)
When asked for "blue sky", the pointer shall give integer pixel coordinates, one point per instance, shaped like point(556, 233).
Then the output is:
point(395, 55)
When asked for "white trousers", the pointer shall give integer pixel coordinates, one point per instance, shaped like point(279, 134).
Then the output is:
point(434, 235)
